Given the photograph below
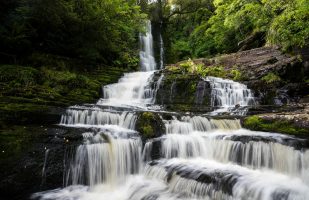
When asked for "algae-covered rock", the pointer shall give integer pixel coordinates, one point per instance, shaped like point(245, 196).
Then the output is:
point(295, 123)
point(182, 91)
point(150, 125)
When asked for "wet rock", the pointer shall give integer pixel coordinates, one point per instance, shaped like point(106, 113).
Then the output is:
point(293, 122)
point(275, 77)
point(183, 92)
point(29, 149)
point(150, 125)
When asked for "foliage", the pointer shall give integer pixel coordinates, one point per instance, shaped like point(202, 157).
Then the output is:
point(236, 75)
point(209, 27)
point(49, 86)
point(93, 31)
point(23, 77)
point(203, 71)
point(291, 28)
point(271, 78)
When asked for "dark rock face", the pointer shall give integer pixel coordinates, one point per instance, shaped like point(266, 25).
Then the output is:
point(185, 92)
point(42, 115)
point(29, 149)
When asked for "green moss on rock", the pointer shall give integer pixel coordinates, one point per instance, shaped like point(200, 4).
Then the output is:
point(258, 123)
point(150, 125)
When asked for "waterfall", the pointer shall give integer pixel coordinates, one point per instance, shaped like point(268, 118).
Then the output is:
point(134, 89)
point(161, 52)
point(254, 155)
point(146, 54)
point(91, 118)
point(228, 94)
point(103, 158)
point(202, 178)
point(197, 157)
point(187, 125)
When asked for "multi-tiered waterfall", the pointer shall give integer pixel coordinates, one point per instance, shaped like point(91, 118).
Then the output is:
point(198, 157)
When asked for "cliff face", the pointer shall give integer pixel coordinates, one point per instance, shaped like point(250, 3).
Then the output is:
point(274, 77)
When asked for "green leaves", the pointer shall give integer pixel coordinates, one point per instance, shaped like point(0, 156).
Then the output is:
point(94, 31)
point(291, 28)
point(226, 26)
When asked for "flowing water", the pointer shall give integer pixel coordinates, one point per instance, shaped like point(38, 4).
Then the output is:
point(229, 95)
point(198, 157)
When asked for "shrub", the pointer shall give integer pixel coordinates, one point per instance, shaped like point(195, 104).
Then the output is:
point(24, 76)
point(271, 78)
point(236, 75)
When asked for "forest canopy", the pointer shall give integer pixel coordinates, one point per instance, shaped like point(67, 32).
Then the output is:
point(106, 31)
point(93, 31)
point(201, 28)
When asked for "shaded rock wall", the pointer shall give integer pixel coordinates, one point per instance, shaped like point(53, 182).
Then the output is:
point(183, 92)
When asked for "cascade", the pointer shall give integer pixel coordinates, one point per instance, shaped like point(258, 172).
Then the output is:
point(148, 62)
point(134, 89)
point(161, 52)
point(97, 117)
point(226, 94)
point(200, 178)
point(198, 157)
point(104, 158)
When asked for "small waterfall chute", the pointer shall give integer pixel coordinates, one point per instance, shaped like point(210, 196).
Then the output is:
point(228, 95)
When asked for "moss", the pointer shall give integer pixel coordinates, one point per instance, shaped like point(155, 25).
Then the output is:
point(236, 75)
point(193, 86)
point(147, 131)
point(149, 125)
point(281, 126)
point(33, 89)
point(271, 78)
point(173, 68)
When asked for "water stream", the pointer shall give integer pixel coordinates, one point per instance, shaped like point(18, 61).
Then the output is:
point(198, 157)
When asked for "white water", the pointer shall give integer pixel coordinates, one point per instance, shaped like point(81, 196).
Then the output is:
point(196, 158)
point(104, 158)
point(91, 118)
point(133, 89)
point(226, 94)
point(146, 54)
point(161, 52)
point(214, 177)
